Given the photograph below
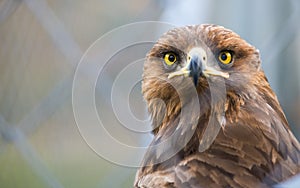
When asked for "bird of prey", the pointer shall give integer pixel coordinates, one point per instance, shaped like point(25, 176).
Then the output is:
point(216, 121)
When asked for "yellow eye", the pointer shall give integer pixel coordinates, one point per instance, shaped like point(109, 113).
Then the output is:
point(225, 57)
point(170, 58)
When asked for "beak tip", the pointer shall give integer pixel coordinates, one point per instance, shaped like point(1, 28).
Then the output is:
point(195, 80)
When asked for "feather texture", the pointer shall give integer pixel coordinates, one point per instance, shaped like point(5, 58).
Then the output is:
point(248, 139)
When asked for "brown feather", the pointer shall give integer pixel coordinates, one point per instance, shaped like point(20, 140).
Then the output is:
point(254, 147)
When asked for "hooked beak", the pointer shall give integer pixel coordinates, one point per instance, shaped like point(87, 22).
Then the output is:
point(196, 66)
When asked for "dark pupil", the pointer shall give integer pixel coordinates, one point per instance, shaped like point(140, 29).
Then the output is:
point(171, 58)
point(223, 57)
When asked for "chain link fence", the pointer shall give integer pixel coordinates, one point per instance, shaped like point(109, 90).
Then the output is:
point(41, 43)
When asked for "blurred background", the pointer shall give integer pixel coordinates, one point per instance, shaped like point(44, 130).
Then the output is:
point(41, 43)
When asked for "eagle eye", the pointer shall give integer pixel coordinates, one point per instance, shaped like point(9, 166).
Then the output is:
point(225, 57)
point(170, 58)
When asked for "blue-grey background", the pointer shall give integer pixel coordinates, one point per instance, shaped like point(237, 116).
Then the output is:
point(41, 42)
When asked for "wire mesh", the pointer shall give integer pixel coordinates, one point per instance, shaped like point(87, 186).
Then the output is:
point(17, 129)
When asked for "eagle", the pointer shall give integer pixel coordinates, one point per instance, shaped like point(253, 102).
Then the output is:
point(216, 121)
